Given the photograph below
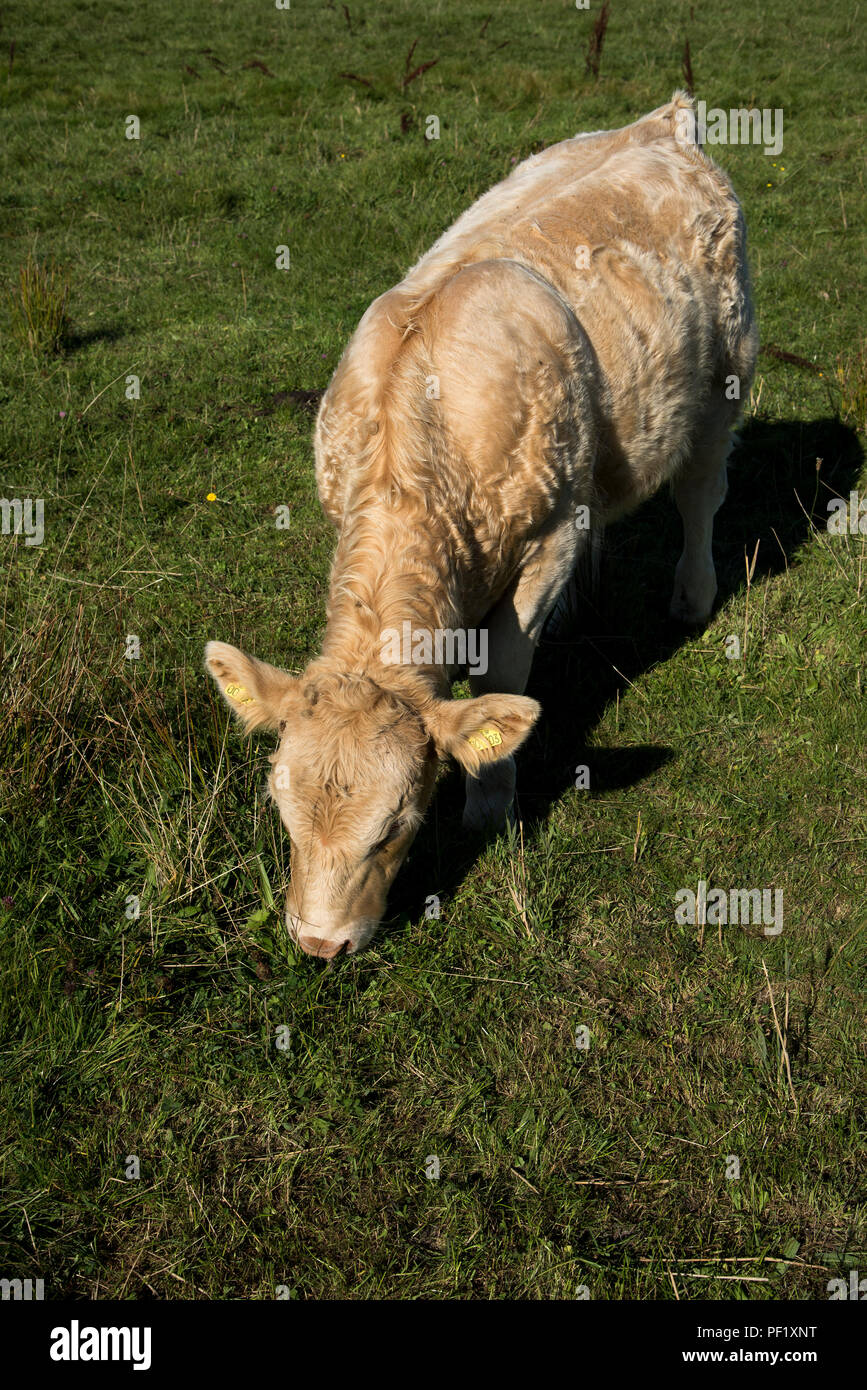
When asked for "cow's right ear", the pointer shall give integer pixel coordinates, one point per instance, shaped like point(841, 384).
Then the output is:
point(260, 695)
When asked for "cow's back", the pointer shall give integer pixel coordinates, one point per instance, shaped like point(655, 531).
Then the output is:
point(637, 240)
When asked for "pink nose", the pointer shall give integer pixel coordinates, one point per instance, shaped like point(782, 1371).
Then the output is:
point(318, 946)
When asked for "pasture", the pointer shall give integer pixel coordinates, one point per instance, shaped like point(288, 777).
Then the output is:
point(417, 1121)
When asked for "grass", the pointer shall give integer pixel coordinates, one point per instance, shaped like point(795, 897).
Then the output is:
point(37, 307)
point(284, 1115)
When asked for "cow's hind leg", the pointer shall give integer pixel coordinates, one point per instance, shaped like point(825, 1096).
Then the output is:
point(699, 491)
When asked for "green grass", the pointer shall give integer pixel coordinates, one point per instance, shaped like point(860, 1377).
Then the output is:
point(157, 1035)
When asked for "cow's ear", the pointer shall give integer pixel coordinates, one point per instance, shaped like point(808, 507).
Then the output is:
point(483, 730)
point(259, 694)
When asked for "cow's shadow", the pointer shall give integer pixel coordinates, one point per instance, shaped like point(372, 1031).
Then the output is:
point(776, 492)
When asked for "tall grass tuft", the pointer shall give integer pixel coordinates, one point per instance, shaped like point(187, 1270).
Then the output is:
point(850, 374)
point(38, 306)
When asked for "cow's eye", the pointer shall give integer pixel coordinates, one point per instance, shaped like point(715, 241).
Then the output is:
point(387, 839)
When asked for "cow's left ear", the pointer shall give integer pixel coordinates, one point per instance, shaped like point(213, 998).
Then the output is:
point(259, 694)
point(482, 730)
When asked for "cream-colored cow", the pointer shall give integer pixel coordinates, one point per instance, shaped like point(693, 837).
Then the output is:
point(581, 335)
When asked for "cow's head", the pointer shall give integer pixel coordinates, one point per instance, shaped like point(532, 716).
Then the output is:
point(353, 775)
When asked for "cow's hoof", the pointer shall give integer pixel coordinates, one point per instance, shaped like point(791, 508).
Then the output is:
point(689, 614)
point(694, 593)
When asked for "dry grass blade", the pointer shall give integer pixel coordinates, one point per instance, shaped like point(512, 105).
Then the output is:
point(520, 899)
point(771, 350)
point(688, 78)
point(784, 1051)
point(417, 72)
point(597, 39)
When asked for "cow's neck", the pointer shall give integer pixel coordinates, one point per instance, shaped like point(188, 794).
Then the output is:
point(391, 569)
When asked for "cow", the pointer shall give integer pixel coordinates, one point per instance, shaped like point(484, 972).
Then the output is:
point(581, 335)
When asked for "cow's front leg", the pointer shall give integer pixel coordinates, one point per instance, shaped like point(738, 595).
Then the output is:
point(699, 493)
point(490, 797)
point(514, 626)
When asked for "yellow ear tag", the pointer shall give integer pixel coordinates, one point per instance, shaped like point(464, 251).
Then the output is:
point(485, 739)
point(238, 693)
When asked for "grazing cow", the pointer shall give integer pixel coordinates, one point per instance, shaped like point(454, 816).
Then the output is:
point(580, 336)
